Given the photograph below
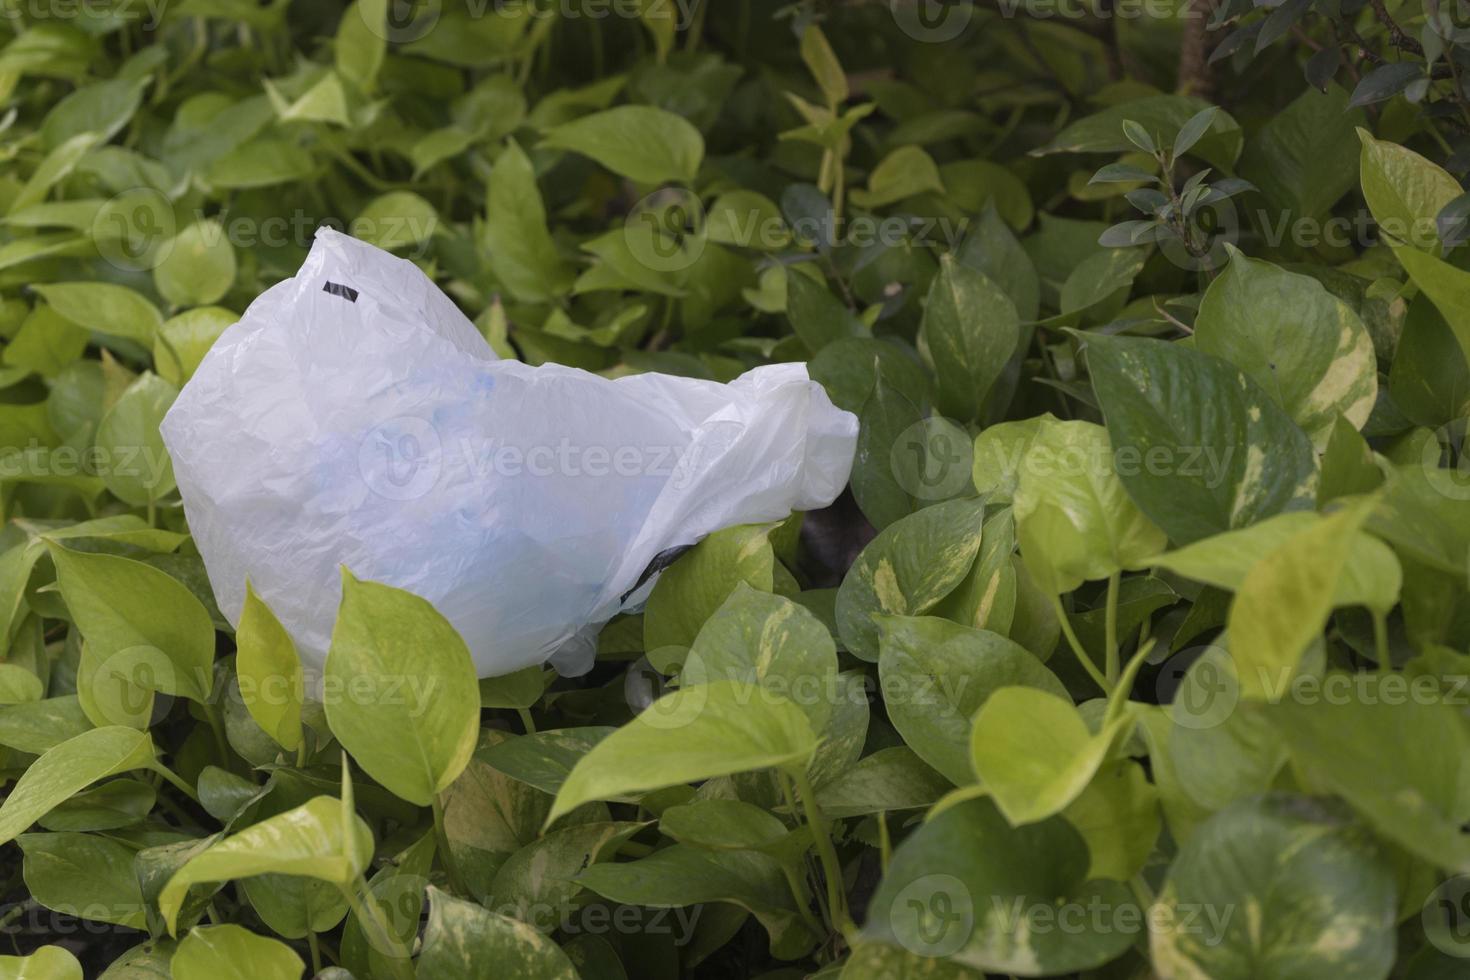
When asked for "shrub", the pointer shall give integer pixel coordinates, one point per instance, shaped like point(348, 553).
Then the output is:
point(1138, 647)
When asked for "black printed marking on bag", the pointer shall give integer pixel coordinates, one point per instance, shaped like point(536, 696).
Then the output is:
point(660, 561)
point(337, 289)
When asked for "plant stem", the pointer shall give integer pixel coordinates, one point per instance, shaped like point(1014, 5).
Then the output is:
point(370, 915)
point(1380, 642)
point(885, 843)
point(217, 725)
point(831, 866)
point(1111, 616)
point(174, 778)
point(527, 720)
point(441, 835)
point(803, 901)
point(316, 952)
point(1076, 645)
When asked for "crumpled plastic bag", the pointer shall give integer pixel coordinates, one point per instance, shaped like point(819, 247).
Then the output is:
point(354, 417)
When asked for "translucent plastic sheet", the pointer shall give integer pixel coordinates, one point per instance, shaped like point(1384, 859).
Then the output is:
point(355, 417)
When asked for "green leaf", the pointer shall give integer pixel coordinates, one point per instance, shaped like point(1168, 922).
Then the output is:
point(139, 622)
point(465, 941)
point(311, 840)
point(1102, 132)
point(545, 759)
point(696, 585)
point(522, 253)
point(101, 109)
point(1190, 133)
point(409, 704)
point(260, 163)
point(362, 42)
point(1097, 287)
point(1303, 345)
point(1139, 135)
point(396, 220)
point(183, 341)
point(1423, 515)
point(822, 62)
point(969, 331)
point(269, 671)
point(1285, 599)
point(1034, 753)
point(894, 778)
point(1074, 520)
point(1000, 451)
point(722, 825)
point(760, 638)
point(47, 342)
point(1371, 576)
point(818, 317)
point(518, 689)
point(935, 675)
point(536, 884)
point(988, 597)
point(198, 267)
point(850, 367)
point(1208, 748)
point(642, 143)
point(1118, 815)
point(1304, 158)
point(907, 569)
point(992, 248)
point(1279, 886)
point(230, 952)
point(1430, 376)
point(1199, 446)
point(902, 174)
point(966, 888)
point(1405, 192)
point(399, 889)
point(1347, 465)
point(53, 168)
point(46, 963)
point(105, 308)
point(84, 875)
point(1447, 286)
point(884, 472)
point(682, 875)
point(37, 726)
point(138, 467)
point(68, 768)
point(710, 730)
point(1356, 747)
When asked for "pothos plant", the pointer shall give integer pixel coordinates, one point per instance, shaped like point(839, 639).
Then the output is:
point(1137, 648)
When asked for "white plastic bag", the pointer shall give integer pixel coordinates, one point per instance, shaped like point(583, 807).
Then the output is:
point(354, 417)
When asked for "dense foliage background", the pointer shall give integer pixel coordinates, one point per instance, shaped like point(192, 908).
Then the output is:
point(1138, 647)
